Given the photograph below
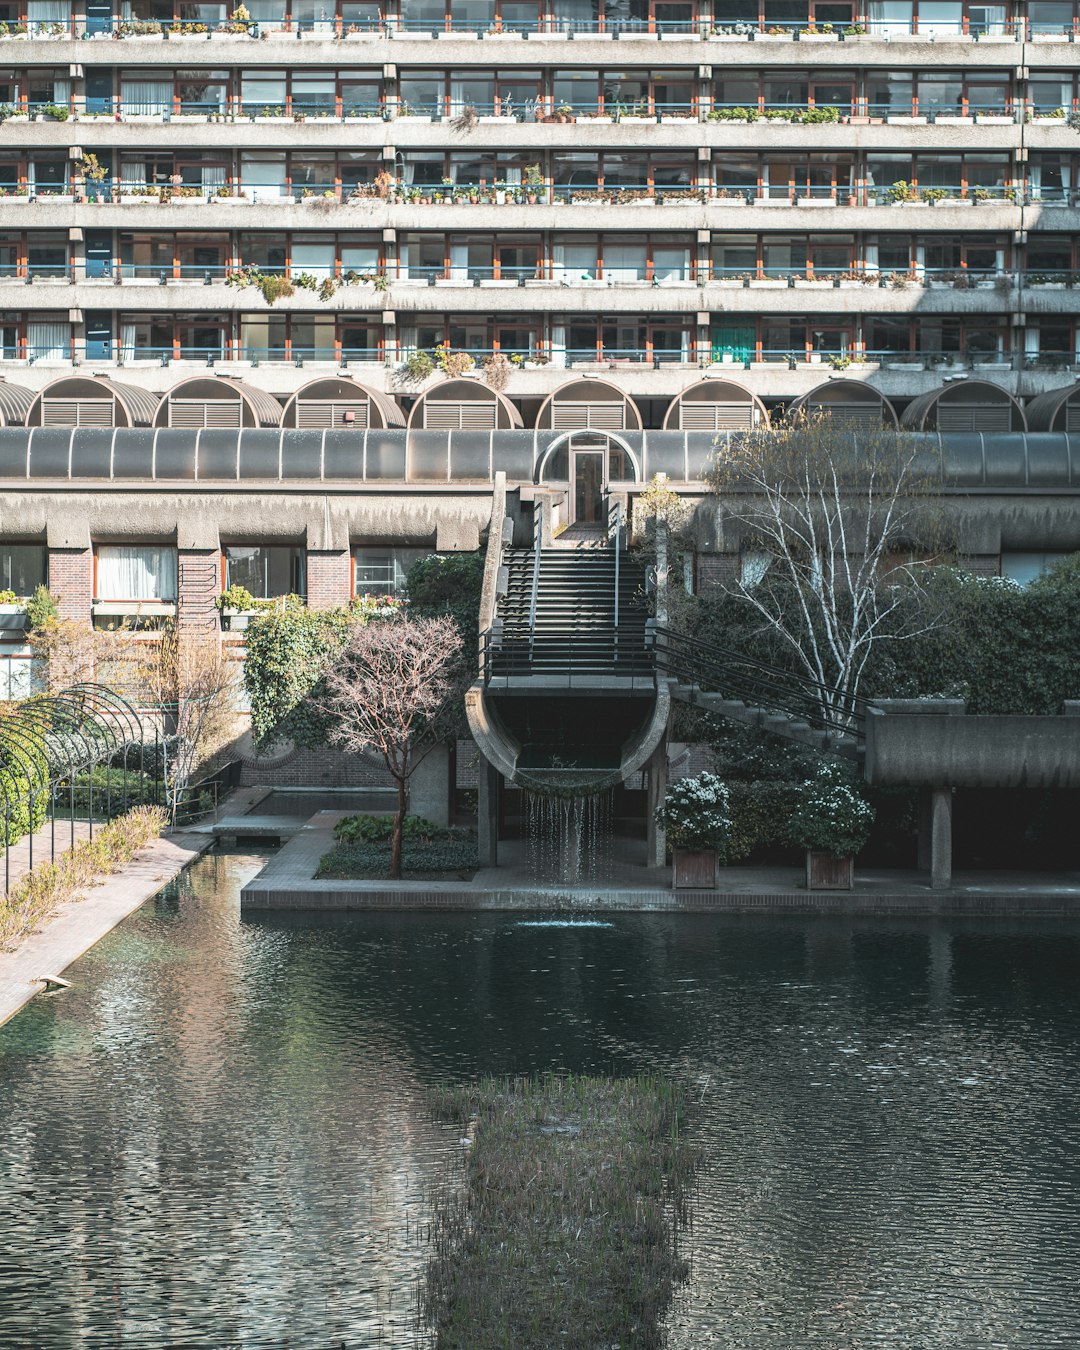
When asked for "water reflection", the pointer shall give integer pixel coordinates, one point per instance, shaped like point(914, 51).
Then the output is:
point(218, 1137)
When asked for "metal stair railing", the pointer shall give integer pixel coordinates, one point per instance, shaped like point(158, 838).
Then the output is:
point(614, 530)
point(538, 539)
point(573, 657)
point(757, 683)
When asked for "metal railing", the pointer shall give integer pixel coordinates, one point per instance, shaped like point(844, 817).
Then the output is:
point(715, 669)
point(567, 659)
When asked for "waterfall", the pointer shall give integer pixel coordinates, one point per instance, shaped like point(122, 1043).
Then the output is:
point(568, 835)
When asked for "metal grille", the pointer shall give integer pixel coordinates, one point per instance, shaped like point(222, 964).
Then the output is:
point(715, 416)
point(606, 416)
point(974, 417)
point(850, 414)
point(460, 416)
point(332, 413)
point(199, 412)
point(76, 412)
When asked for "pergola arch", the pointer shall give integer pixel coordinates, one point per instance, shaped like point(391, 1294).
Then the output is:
point(715, 405)
point(965, 405)
point(588, 404)
point(463, 405)
point(213, 401)
point(342, 403)
point(72, 730)
point(91, 401)
point(850, 403)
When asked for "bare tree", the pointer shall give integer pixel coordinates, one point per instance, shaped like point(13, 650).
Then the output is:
point(392, 689)
point(837, 526)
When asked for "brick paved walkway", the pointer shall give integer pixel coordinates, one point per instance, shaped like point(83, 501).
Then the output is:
point(79, 923)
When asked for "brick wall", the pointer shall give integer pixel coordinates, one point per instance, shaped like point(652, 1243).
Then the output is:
point(71, 580)
point(326, 767)
point(714, 567)
point(981, 564)
point(329, 580)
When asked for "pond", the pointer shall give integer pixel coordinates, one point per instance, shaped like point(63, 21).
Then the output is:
point(218, 1137)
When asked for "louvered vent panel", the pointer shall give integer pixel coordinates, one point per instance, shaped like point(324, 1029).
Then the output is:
point(974, 417)
point(194, 412)
point(76, 412)
point(460, 416)
point(1072, 417)
point(605, 416)
point(850, 414)
point(328, 413)
point(715, 416)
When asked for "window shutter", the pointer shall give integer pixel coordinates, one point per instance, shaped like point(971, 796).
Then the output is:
point(715, 416)
point(606, 416)
point(849, 414)
point(478, 416)
point(974, 417)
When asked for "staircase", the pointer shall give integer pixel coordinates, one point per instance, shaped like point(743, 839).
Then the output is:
point(577, 626)
point(749, 691)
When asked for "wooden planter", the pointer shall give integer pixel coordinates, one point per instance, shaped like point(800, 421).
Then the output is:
point(693, 869)
point(826, 873)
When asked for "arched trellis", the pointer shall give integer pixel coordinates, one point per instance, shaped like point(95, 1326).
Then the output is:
point(48, 740)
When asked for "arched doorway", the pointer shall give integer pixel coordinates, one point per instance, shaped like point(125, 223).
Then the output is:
point(591, 465)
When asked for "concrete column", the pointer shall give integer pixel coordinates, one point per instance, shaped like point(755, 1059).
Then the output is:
point(487, 814)
point(429, 787)
point(922, 860)
point(656, 779)
point(940, 838)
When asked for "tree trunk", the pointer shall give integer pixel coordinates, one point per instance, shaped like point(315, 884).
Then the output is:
point(399, 821)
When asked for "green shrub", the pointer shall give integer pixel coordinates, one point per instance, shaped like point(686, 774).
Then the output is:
point(371, 829)
point(38, 893)
point(695, 814)
point(831, 815)
point(40, 608)
point(455, 851)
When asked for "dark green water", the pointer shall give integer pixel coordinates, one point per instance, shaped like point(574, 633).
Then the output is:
point(218, 1137)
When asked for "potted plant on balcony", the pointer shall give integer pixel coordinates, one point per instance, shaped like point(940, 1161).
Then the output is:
point(696, 818)
point(832, 823)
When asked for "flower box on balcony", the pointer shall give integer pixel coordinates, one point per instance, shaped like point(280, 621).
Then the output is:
point(237, 620)
point(815, 203)
point(768, 284)
point(727, 201)
point(13, 616)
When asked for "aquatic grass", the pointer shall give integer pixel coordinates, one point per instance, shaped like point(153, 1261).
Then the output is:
point(565, 1230)
point(51, 883)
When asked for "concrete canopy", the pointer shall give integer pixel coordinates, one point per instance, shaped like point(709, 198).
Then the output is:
point(588, 404)
point(965, 405)
point(847, 400)
point(715, 405)
point(382, 411)
point(190, 404)
point(91, 400)
point(1056, 410)
point(466, 405)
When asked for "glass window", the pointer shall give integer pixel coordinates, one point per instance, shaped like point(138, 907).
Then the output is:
point(140, 572)
point(22, 568)
point(383, 571)
point(266, 570)
point(1028, 567)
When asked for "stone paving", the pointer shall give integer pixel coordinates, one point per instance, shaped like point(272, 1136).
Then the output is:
point(287, 883)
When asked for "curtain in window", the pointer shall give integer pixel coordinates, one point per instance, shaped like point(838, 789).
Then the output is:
point(318, 259)
point(47, 11)
point(624, 262)
point(457, 97)
point(48, 340)
point(127, 339)
point(558, 344)
point(459, 262)
point(136, 573)
point(147, 96)
point(213, 177)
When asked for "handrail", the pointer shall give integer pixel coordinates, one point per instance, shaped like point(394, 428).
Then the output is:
point(614, 530)
point(759, 682)
point(534, 592)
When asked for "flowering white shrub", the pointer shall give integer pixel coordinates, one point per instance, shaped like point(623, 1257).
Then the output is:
point(695, 813)
point(832, 815)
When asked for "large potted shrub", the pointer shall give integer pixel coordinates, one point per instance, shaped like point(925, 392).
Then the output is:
point(831, 821)
point(696, 817)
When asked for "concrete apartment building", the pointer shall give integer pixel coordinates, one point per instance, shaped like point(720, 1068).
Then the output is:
point(671, 218)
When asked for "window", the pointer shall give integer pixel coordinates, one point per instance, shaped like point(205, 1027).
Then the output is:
point(139, 572)
point(382, 571)
point(22, 568)
point(267, 571)
point(1028, 567)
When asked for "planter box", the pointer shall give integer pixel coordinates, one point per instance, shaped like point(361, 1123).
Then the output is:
point(13, 616)
point(826, 873)
point(814, 203)
point(693, 869)
point(727, 201)
point(237, 620)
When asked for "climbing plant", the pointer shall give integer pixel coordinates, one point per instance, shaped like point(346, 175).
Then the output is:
point(287, 653)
